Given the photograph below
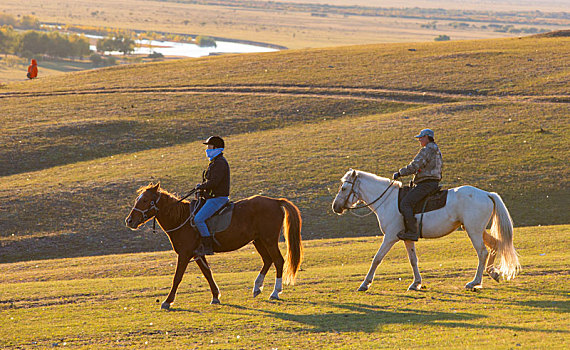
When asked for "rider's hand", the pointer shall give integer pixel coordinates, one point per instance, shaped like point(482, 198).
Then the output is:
point(198, 186)
point(396, 175)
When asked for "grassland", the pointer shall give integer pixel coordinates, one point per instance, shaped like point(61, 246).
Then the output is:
point(110, 301)
point(17, 72)
point(76, 147)
point(286, 23)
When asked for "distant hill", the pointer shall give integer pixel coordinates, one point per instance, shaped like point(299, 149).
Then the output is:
point(554, 34)
point(76, 147)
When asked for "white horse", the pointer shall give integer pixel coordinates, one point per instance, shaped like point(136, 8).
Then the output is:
point(466, 206)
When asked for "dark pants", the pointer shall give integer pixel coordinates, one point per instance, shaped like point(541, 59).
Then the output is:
point(416, 194)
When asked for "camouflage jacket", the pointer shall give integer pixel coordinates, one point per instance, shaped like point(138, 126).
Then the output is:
point(427, 164)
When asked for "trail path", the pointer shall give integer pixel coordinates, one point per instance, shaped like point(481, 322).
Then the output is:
point(336, 92)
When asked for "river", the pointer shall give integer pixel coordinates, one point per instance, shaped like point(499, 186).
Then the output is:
point(170, 48)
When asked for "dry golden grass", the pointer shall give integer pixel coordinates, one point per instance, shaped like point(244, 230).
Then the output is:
point(292, 29)
point(76, 147)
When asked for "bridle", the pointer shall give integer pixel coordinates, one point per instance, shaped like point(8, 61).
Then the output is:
point(352, 192)
point(153, 206)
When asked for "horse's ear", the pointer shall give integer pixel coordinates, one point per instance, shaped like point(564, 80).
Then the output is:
point(352, 172)
point(157, 186)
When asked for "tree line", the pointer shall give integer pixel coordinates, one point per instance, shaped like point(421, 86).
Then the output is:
point(26, 22)
point(32, 43)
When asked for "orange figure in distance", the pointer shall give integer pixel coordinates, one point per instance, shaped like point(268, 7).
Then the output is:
point(33, 70)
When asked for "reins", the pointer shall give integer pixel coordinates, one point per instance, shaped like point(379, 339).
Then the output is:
point(366, 205)
point(153, 206)
point(188, 195)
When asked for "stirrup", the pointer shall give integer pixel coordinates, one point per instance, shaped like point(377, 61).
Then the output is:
point(408, 236)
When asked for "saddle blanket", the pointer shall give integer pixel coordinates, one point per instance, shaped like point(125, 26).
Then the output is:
point(221, 219)
point(435, 200)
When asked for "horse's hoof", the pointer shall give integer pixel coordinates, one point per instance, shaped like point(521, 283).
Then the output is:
point(415, 287)
point(165, 306)
point(215, 301)
point(273, 297)
point(473, 287)
point(362, 289)
point(256, 293)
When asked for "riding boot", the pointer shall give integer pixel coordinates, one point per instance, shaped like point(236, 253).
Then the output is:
point(411, 231)
point(205, 247)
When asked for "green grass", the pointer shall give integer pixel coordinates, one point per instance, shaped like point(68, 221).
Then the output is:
point(110, 301)
point(76, 148)
point(520, 66)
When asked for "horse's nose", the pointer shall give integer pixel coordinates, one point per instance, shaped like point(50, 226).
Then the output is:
point(128, 221)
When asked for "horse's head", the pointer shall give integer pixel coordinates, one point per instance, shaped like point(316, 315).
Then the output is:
point(346, 196)
point(145, 206)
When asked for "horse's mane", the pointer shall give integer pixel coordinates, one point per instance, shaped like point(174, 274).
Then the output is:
point(364, 174)
point(160, 190)
point(369, 177)
point(176, 208)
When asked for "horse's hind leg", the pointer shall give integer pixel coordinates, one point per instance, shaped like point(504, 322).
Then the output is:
point(491, 242)
point(258, 284)
point(205, 268)
point(476, 236)
point(410, 247)
point(278, 260)
point(387, 244)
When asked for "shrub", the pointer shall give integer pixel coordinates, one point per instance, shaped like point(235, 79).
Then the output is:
point(205, 41)
point(442, 37)
point(96, 60)
point(110, 61)
point(155, 55)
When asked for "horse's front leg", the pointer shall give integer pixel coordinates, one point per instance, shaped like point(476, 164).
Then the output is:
point(410, 247)
point(205, 268)
point(180, 269)
point(387, 243)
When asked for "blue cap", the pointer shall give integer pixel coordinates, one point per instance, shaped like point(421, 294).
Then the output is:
point(424, 132)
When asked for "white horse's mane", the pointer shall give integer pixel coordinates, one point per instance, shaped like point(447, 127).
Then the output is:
point(364, 175)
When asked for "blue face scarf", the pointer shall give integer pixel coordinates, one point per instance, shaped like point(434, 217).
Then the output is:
point(213, 153)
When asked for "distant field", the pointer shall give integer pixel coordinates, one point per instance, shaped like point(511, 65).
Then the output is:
point(298, 25)
point(111, 301)
point(491, 5)
point(47, 68)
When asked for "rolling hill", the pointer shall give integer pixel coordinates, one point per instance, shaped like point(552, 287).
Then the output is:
point(76, 147)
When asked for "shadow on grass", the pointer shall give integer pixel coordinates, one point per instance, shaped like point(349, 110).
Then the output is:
point(554, 300)
point(355, 317)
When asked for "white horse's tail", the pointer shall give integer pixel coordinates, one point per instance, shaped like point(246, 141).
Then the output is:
point(502, 230)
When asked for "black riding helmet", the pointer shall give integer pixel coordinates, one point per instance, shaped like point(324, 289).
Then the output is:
point(215, 141)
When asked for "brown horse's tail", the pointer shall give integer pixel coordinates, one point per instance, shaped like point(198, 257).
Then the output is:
point(292, 232)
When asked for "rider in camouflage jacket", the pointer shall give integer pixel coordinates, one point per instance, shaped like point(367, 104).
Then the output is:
point(427, 164)
point(426, 168)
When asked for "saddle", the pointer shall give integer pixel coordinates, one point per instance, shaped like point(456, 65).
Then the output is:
point(433, 201)
point(221, 219)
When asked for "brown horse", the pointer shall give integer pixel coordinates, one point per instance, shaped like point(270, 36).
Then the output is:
point(258, 219)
